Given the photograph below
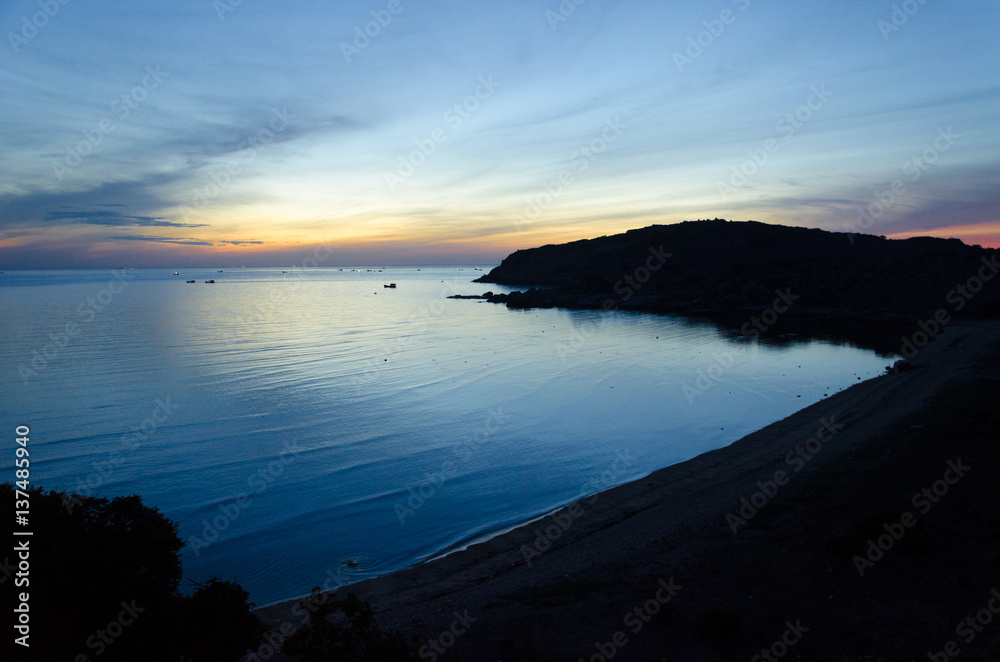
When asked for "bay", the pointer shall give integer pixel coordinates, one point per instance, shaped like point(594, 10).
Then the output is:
point(302, 425)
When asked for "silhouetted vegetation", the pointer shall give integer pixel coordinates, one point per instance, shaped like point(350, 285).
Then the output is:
point(104, 584)
point(219, 623)
point(345, 630)
point(718, 268)
point(104, 580)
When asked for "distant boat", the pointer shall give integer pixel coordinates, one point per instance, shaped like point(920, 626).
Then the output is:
point(176, 274)
point(478, 269)
point(191, 281)
point(391, 286)
point(220, 271)
point(209, 281)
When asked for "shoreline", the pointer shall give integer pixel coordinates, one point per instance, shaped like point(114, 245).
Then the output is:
point(657, 526)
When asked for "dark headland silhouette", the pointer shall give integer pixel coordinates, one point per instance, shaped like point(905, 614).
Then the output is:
point(717, 267)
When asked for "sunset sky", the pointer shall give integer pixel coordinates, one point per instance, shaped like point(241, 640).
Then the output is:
point(434, 131)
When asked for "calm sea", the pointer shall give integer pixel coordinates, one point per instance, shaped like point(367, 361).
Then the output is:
point(302, 426)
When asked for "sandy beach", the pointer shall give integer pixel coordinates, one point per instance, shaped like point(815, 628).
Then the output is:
point(775, 545)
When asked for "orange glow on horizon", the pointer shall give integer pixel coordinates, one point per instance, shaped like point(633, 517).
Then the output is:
point(982, 234)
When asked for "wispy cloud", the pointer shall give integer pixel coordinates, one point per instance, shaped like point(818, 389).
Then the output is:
point(166, 240)
point(115, 219)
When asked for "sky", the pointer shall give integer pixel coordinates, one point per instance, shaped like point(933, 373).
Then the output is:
point(201, 133)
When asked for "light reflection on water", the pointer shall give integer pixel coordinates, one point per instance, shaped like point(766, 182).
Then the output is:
point(325, 399)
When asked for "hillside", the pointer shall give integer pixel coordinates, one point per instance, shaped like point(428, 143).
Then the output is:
point(718, 266)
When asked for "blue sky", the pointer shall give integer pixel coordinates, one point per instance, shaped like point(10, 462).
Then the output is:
point(146, 134)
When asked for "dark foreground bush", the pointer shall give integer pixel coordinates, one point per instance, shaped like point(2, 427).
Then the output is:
point(102, 584)
point(345, 631)
point(219, 624)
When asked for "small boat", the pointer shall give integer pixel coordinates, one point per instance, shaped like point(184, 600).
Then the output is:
point(219, 271)
point(176, 274)
point(390, 286)
point(209, 281)
point(191, 281)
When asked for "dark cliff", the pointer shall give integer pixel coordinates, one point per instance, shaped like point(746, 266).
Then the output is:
point(719, 266)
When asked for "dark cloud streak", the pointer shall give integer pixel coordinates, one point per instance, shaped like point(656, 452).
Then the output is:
point(167, 240)
point(115, 219)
